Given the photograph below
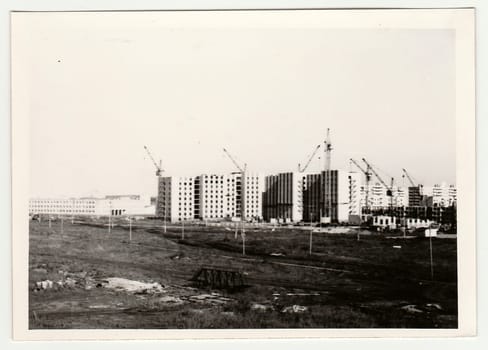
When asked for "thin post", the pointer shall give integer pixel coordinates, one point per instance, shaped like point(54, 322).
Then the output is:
point(164, 222)
point(49, 222)
point(243, 235)
point(183, 230)
point(62, 228)
point(311, 230)
point(431, 256)
point(109, 224)
point(235, 235)
point(130, 229)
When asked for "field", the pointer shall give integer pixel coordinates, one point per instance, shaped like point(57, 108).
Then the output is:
point(83, 276)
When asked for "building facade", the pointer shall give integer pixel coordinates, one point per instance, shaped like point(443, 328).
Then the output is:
point(211, 197)
point(253, 189)
point(283, 197)
point(176, 198)
point(114, 205)
point(312, 197)
point(344, 195)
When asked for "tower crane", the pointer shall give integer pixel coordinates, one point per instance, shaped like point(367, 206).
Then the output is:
point(301, 170)
point(389, 189)
point(159, 169)
point(328, 189)
point(367, 174)
point(409, 178)
point(242, 170)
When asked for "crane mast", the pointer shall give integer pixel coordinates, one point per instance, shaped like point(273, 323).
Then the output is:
point(328, 183)
point(367, 174)
point(159, 170)
point(242, 170)
point(389, 189)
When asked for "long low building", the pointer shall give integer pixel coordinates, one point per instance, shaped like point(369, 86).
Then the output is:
point(114, 205)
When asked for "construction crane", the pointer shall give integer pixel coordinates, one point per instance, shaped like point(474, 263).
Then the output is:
point(328, 183)
point(301, 170)
point(367, 174)
point(159, 169)
point(409, 178)
point(242, 170)
point(389, 189)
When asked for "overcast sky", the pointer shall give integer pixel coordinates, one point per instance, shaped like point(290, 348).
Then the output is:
point(102, 90)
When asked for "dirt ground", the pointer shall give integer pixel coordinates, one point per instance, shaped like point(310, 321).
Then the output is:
point(83, 276)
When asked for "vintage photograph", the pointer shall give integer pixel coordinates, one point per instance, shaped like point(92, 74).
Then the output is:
point(239, 169)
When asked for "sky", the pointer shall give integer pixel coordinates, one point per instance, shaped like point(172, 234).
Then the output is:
point(100, 90)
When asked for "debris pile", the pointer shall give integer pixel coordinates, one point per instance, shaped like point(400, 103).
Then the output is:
point(122, 284)
point(294, 309)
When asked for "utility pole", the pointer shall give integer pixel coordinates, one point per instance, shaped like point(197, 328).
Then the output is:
point(431, 256)
point(164, 219)
point(243, 235)
point(311, 234)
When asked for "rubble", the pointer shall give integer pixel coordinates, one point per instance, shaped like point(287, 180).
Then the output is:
point(294, 309)
point(47, 284)
point(131, 286)
point(411, 309)
point(433, 306)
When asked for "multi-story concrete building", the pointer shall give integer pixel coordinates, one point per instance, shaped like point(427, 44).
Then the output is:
point(253, 188)
point(176, 198)
point(313, 197)
point(283, 197)
point(211, 197)
point(443, 195)
point(64, 206)
point(114, 205)
point(295, 197)
point(400, 196)
point(220, 196)
point(354, 193)
point(414, 196)
point(344, 197)
point(379, 198)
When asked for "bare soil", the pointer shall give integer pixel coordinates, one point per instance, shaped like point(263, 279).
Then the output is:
point(345, 283)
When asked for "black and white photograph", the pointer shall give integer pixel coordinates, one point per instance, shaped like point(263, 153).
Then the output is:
point(230, 170)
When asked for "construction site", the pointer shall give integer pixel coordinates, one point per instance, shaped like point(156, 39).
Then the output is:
point(291, 250)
